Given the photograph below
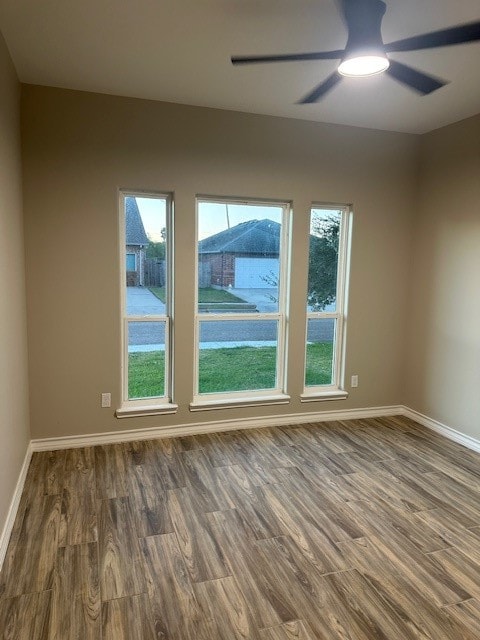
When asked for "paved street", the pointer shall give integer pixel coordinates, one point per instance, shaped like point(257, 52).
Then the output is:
point(146, 336)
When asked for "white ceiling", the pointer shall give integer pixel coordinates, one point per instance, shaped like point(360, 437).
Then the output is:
point(179, 51)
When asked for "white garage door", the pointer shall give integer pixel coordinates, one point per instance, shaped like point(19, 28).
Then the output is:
point(250, 273)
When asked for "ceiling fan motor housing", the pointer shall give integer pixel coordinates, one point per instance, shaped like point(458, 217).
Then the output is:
point(364, 21)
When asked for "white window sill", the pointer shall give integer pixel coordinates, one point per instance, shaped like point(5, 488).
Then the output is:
point(146, 410)
point(323, 396)
point(233, 403)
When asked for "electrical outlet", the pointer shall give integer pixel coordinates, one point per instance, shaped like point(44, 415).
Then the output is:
point(354, 381)
point(106, 400)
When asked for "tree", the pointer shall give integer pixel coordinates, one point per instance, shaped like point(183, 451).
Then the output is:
point(157, 249)
point(323, 261)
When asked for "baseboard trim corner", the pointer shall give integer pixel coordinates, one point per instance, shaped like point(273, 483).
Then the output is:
point(14, 504)
point(112, 437)
point(442, 429)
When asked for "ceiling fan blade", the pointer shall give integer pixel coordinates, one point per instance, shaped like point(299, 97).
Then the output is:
point(289, 57)
point(321, 89)
point(414, 79)
point(443, 38)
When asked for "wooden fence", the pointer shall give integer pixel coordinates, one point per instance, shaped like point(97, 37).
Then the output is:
point(204, 274)
point(154, 272)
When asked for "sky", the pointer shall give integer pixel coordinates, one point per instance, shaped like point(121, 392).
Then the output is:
point(153, 213)
point(213, 217)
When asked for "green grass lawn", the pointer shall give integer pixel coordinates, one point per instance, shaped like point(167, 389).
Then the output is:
point(207, 294)
point(146, 374)
point(319, 364)
point(159, 292)
point(236, 369)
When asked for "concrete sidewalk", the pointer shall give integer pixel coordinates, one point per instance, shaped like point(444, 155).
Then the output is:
point(142, 302)
point(262, 298)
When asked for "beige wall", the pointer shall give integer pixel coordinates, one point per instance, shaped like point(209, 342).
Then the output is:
point(79, 148)
point(14, 429)
point(443, 369)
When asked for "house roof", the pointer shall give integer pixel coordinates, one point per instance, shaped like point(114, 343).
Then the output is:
point(134, 229)
point(260, 237)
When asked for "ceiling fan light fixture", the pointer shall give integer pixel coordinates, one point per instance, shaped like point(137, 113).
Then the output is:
point(363, 65)
point(365, 53)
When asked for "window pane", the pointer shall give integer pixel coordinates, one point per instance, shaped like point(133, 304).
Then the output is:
point(146, 359)
point(131, 262)
point(323, 259)
point(238, 257)
point(237, 355)
point(145, 248)
point(320, 352)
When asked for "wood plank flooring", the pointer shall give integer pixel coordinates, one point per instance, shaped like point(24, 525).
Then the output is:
point(355, 530)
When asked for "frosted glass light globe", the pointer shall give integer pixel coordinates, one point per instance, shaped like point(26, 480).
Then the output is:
point(363, 66)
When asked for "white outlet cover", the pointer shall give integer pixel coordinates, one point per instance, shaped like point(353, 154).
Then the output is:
point(106, 400)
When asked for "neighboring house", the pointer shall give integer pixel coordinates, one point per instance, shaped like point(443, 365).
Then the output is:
point(245, 256)
point(136, 242)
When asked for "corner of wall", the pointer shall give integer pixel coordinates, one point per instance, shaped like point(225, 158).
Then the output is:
point(14, 407)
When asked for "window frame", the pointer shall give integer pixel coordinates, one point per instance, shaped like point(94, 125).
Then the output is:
point(251, 397)
point(153, 405)
point(335, 390)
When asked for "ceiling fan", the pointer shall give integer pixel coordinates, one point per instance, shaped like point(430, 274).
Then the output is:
point(365, 53)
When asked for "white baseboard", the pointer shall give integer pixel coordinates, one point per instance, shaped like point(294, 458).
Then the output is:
point(12, 511)
point(111, 437)
point(442, 429)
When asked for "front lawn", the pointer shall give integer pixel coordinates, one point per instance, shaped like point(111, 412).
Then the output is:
point(237, 369)
point(207, 294)
point(234, 369)
point(159, 292)
point(146, 374)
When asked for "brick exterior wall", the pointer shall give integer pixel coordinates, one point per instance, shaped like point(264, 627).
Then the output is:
point(133, 277)
point(223, 266)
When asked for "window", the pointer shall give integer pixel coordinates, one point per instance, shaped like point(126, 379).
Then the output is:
point(326, 302)
point(131, 262)
point(146, 304)
point(241, 300)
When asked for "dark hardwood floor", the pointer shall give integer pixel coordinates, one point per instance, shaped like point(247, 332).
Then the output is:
point(359, 530)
